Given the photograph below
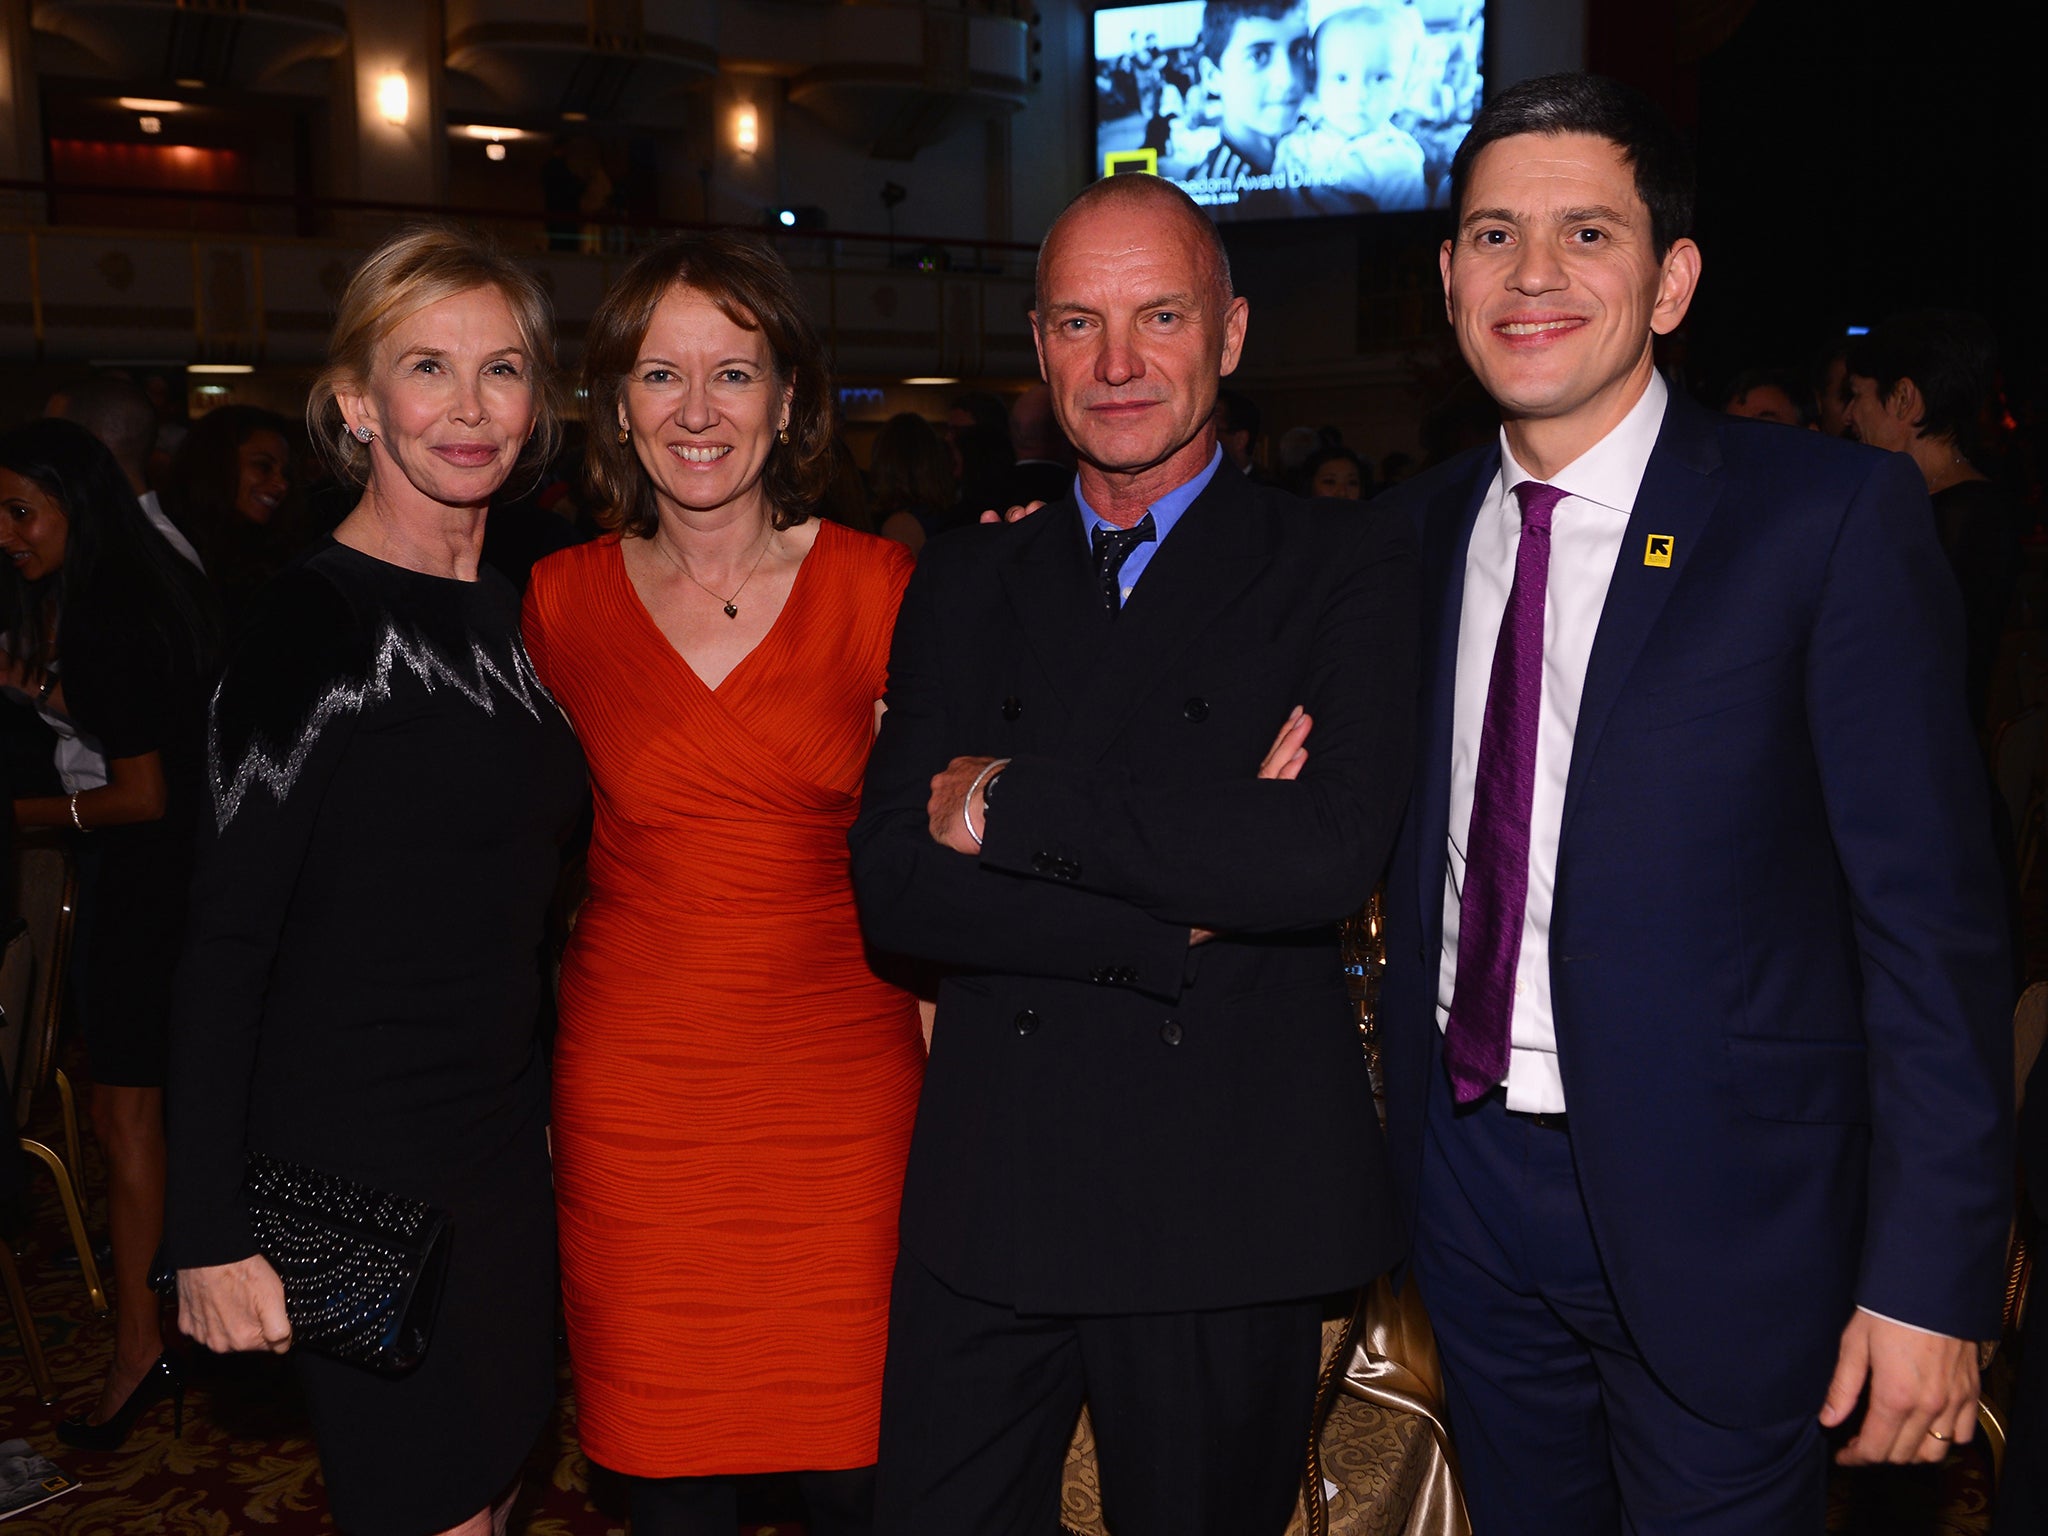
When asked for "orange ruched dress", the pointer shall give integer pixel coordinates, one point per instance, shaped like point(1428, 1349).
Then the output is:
point(733, 1086)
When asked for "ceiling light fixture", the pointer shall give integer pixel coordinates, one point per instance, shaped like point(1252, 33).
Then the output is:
point(148, 104)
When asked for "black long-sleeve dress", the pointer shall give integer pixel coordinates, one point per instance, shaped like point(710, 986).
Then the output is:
point(390, 788)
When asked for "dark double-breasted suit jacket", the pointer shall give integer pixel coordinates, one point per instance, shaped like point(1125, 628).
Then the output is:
point(1777, 951)
point(1113, 1121)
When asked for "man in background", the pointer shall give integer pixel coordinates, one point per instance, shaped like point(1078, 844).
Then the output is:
point(116, 411)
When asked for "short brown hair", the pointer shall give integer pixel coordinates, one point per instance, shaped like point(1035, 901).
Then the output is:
point(754, 290)
point(419, 265)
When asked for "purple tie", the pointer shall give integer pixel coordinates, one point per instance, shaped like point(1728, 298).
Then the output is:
point(1480, 1027)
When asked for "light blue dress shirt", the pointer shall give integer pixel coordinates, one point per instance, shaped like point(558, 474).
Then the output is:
point(1165, 512)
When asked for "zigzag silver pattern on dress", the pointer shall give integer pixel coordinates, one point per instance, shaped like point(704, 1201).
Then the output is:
point(260, 765)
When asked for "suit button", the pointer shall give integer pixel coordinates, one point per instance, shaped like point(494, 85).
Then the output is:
point(1126, 975)
point(1100, 976)
point(1026, 1022)
point(1196, 710)
point(1012, 707)
point(1044, 863)
point(1170, 1032)
point(1069, 870)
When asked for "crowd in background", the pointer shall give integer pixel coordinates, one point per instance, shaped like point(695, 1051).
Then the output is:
point(139, 548)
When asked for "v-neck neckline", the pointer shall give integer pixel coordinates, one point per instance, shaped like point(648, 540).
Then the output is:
point(797, 588)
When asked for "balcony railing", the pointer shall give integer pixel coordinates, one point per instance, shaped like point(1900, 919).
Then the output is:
point(262, 290)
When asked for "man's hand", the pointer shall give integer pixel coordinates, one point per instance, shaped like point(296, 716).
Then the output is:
point(1284, 760)
point(949, 797)
point(1013, 514)
point(1923, 1392)
point(233, 1307)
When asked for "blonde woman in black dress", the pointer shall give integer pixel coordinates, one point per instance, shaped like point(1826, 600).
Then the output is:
point(391, 787)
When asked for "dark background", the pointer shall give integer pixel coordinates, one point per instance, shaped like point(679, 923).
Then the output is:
point(1854, 159)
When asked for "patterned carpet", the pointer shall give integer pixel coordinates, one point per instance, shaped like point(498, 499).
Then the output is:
point(244, 1463)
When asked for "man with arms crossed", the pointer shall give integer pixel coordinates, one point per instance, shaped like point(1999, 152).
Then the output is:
point(1697, 1072)
point(1146, 1143)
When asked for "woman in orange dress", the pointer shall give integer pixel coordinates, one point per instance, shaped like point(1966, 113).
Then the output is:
point(734, 1087)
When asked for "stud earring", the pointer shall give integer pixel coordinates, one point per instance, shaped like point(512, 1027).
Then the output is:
point(363, 434)
point(625, 435)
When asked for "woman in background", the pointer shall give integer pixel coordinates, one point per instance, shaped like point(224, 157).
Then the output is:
point(910, 480)
point(232, 491)
point(734, 1088)
point(118, 633)
point(1919, 384)
point(361, 990)
point(1335, 472)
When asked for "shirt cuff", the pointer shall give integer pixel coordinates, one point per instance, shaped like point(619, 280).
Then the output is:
point(1933, 1333)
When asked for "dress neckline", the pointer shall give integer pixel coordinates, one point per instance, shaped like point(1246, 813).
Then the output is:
point(798, 590)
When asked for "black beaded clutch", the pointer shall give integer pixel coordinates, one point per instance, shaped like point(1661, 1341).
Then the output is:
point(362, 1269)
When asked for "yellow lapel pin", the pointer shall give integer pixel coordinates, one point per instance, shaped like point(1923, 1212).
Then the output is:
point(1658, 551)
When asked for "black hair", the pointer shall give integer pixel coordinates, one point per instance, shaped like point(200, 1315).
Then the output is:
point(1952, 359)
point(109, 546)
point(1220, 19)
point(1780, 379)
point(206, 478)
point(1578, 103)
point(1836, 348)
point(1240, 412)
point(1330, 454)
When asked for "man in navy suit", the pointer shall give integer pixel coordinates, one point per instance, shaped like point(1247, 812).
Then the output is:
point(1697, 1074)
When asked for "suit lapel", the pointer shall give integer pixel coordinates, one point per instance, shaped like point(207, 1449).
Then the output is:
point(1446, 537)
point(1676, 500)
point(1049, 580)
point(1216, 550)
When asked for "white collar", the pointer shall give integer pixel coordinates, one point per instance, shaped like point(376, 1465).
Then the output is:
point(1611, 471)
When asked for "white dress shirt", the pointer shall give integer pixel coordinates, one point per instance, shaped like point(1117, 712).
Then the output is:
point(1586, 530)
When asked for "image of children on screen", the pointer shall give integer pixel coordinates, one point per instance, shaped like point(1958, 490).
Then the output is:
point(1283, 108)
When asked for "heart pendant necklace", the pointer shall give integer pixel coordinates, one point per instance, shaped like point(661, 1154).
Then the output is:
point(732, 609)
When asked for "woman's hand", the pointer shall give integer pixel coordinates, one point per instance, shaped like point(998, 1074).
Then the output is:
point(234, 1307)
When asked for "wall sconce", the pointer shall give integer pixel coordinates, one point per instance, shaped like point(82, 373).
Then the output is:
point(494, 150)
point(394, 98)
point(746, 129)
point(149, 124)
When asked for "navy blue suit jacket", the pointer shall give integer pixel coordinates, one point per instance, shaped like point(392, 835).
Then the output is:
point(1778, 955)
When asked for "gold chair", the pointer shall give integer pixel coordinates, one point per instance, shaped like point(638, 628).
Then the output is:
point(48, 894)
point(1379, 1459)
point(1994, 1404)
point(17, 968)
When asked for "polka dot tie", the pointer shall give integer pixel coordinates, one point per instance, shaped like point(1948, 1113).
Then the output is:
point(1113, 547)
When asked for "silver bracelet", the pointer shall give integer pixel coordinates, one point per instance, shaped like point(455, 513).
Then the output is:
point(995, 767)
point(74, 812)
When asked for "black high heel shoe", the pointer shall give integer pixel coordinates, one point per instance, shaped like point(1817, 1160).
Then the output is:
point(163, 1380)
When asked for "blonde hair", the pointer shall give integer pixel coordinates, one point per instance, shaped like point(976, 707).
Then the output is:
point(419, 265)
